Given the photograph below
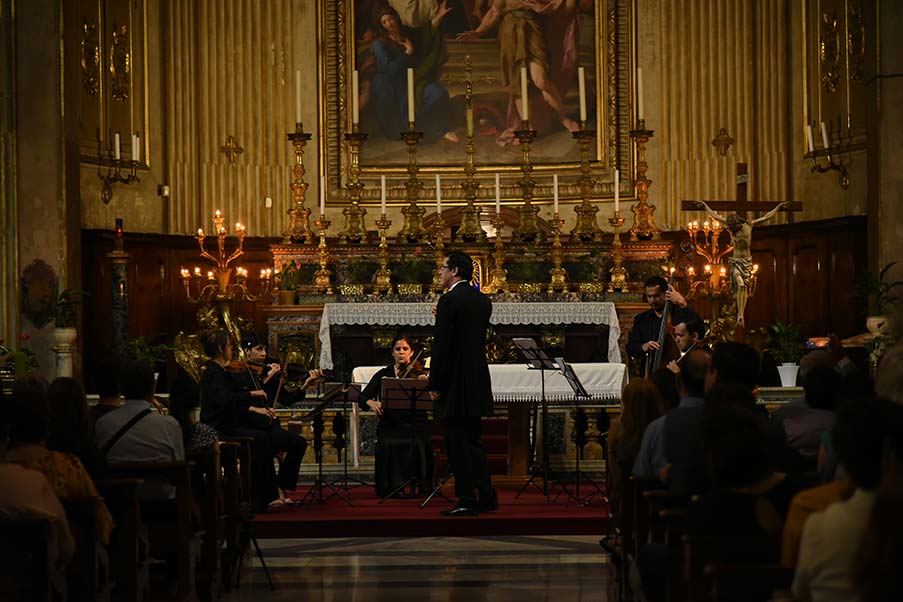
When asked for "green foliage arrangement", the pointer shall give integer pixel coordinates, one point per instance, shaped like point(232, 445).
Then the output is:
point(880, 295)
point(785, 344)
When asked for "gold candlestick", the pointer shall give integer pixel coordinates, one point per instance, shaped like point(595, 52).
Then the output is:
point(644, 227)
point(321, 278)
point(298, 229)
point(470, 230)
point(412, 230)
point(439, 227)
point(527, 229)
point(587, 229)
point(354, 230)
point(559, 277)
point(498, 278)
point(383, 274)
point(618, 281)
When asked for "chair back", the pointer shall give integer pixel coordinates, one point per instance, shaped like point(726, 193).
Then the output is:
point(25, 551)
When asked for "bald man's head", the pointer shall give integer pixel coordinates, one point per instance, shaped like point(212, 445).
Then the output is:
point(693, 369)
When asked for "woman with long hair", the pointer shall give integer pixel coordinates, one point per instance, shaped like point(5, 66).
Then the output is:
point(71, 427)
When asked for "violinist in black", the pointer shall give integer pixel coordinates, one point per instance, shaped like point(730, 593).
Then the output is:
point(235, 409)
point(643, 338)
point(403, 448)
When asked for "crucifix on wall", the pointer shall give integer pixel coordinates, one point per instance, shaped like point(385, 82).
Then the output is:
point(740, 228)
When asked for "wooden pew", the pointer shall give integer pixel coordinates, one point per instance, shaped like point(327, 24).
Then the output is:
point(129, 562)
point(88, 576)
point(25, 552)
point(171, 529)
point(208, 476)
point(702, 550)
point(234, 503)
point(745, 582)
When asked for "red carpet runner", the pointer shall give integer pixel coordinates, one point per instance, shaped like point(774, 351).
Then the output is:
point(531, 514)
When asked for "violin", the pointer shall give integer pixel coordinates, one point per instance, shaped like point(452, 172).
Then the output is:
point(413, 369)
point(246, 365)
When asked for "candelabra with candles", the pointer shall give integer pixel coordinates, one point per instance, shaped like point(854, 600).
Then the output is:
point(644, 227)
point(558, 276)
point(498, 278)
point(354, 230)
point(470, 230)
point(713, 282)
point(412, 230)
point(838, 156)
point(322, 281)
point(219, 286)
point(383, 276)
point(587, 229)
point(618, 280)
point(114, 165)
point(527, 229)
point(298, 229)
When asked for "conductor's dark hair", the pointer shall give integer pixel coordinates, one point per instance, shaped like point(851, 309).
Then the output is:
point(136, 379)
point(695, 325)
point(213, 342)
point(656, 281)
point(462, 261)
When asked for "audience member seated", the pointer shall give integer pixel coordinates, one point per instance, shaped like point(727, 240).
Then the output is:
point(651, 459)
point(804, 429)
point(26, 494)
point(831, 539)
point(641, 403)
point(666, 382)
point(889, 378)
point(184, 401)
point(108, 397)
point(876, 570)
point(71, 427)
point(28, 417)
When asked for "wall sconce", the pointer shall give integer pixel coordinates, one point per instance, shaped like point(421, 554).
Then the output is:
point(114, 165)
point(838, 156)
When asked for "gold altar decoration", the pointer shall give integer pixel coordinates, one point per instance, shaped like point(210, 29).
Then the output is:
point(587, 229)
point(470, 229)
point(439, 227)
point(558, 276)
point(713, 281)
point(618, 279)
point(354, 230)
point(527, 229)
point(298, 230)
point(498, 279)
point(412, 230)
point(644, 227)
point(231, 148)
point(383, 277)
point(723, 141)
point(322, 282)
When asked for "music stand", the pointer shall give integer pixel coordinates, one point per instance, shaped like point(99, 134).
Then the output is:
point(537, 359)
point(411, 395)
point(579, 393)
point(344, 393)
point(316, 490)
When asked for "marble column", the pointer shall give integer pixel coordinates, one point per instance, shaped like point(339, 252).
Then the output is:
point(120, 292)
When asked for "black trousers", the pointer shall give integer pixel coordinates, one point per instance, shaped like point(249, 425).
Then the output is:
point(267, 443)
point(467, 458)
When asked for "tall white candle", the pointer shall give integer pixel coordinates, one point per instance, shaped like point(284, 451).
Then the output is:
point(116, 149)
point(581, 85)
point(524, 99)
point(382, 194)
point(322, 195)
point(297, 96)
point(410, 95)
point(135, 146)
point(810, 138)
point(469, 117)
point(617, 190)
point(438, 195)
point(498, 195)
point(555, 193)
point(639, 93)
point(824, 135)
point(355, 98)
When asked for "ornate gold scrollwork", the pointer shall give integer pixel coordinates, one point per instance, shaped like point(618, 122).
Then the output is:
point(855, 42)
point(829, 52)
point(90, 58)
point(120, 63)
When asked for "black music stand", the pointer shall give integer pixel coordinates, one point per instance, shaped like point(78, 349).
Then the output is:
point(538, 360)
point(315, 493)
point(410, 395)
point(344, 393)
point(579, 393)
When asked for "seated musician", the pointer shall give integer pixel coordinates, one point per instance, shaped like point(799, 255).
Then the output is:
point(403, 437)
point(233, 405)
point(644, 336)
point(688, 335)
point(271, 376)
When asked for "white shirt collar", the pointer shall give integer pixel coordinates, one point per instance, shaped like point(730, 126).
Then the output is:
point(455, 284)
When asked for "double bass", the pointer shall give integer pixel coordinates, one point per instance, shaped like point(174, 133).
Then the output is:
point(667, 347)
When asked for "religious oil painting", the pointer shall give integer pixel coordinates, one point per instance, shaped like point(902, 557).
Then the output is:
point(486, 41)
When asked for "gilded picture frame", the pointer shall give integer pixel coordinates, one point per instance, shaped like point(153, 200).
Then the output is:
point(604, 47)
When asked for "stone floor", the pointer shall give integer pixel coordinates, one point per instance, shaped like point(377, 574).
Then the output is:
point(469, 569)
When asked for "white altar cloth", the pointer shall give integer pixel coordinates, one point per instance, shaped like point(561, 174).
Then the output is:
point(421, 314)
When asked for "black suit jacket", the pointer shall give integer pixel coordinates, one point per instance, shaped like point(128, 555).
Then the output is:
point(458, 368)
point(647, 325)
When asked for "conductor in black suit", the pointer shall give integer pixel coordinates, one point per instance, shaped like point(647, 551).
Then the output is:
point(460, 385)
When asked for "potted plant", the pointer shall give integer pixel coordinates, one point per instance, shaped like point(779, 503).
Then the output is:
point(786, 350)
point(289, 278)
point(65, 317)
point(881, 298)
point(412, 274)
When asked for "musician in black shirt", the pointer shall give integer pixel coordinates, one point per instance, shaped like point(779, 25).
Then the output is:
point(647, 325)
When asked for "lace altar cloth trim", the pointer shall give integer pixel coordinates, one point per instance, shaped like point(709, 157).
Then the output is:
point(421, 314)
